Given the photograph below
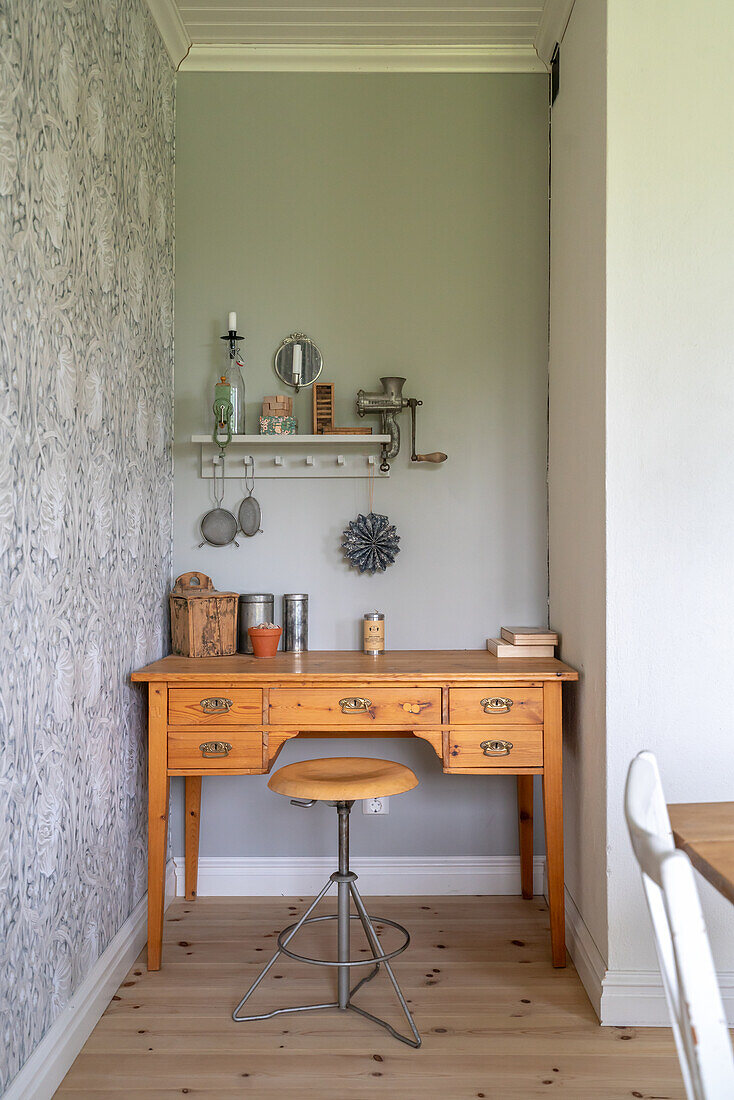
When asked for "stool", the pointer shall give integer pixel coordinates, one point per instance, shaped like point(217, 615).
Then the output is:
point(340, 782)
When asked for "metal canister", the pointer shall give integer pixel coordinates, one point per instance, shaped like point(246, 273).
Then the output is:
point(295, 622)
point(373, 632)
point(254, 608)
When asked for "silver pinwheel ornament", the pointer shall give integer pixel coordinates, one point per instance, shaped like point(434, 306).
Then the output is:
point(370, 543)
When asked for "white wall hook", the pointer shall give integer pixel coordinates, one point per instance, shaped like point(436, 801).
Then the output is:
point(370, 460)
point(278, 460)
point(309, 460)
point(340, 460)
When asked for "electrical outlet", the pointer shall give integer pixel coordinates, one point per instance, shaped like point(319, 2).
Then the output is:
point(375, 805)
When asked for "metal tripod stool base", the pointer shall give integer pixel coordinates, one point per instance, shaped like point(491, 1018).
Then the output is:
point(345, 881)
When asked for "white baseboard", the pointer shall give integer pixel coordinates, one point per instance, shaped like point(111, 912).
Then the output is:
point(625, 998)
point(49, 1063)
point(635, 998)
point(590, 965)
point(299, 876)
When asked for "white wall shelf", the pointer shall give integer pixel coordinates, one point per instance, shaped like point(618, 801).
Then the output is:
point(296, 456)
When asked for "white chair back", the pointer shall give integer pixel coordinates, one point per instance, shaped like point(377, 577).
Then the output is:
point(689, 977)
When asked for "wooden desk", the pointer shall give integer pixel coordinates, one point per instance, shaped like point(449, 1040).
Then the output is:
point(232, 716)
point(705, 832)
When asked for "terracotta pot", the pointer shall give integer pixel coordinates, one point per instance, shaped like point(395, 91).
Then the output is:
point(265, 641)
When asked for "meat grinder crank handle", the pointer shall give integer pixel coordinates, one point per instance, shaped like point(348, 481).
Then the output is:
point(434, 456)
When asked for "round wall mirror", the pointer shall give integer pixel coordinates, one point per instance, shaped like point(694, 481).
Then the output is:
point(298, 362)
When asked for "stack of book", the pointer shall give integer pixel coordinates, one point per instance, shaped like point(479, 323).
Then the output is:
point(523, 641)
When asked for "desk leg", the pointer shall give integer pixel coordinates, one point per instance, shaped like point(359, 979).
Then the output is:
point(525, 820)
point(157, 819)
point(553, 814)
point(193, 818)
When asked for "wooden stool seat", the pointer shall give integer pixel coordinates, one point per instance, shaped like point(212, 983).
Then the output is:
point(342, 779)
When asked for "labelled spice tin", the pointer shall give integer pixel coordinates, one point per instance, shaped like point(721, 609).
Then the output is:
point(373, 632)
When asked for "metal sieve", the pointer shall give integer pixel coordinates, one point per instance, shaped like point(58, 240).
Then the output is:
point(218, 527)
point(249, 514)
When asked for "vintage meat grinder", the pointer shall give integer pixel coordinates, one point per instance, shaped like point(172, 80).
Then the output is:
point(388, 404)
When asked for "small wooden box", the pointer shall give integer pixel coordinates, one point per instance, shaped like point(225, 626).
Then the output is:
point(278, 425)
point(203, 622)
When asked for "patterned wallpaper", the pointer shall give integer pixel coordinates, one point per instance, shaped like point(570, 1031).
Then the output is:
point(86, 385)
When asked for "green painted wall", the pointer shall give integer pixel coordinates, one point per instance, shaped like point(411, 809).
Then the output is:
point(401, 221)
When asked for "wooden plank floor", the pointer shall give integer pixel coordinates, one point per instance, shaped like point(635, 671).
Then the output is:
point(497, 1020)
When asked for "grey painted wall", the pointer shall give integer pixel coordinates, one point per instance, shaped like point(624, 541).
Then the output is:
point(401, 221)
point(577, 518)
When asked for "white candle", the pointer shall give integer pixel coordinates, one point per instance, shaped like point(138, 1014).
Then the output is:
point(232, 323)
point(297, 354)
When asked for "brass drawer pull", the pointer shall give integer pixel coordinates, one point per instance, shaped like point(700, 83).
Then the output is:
point(215, 705)
point(215, 748)
point(496, 748)
point(350, 706)
point(496, 705)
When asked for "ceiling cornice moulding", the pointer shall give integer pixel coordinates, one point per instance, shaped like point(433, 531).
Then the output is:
point(552, 27)
point(171, 26)
point(365, 59)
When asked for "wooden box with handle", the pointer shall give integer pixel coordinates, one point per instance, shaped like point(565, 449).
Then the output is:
point(203, 621)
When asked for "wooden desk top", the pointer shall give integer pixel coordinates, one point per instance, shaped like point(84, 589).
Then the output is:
point(705, 832)
point(407, 664)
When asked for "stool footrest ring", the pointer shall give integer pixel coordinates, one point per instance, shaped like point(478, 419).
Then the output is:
point(352, 962)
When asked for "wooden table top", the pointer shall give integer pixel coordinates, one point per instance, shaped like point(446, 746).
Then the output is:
point(407, 664)
point(705, 832)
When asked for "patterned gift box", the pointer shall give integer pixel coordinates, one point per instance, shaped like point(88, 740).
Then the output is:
point(278, 425)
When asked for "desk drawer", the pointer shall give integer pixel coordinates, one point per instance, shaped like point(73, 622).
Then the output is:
point(207, 751)
point(505, 748)
point(497, 705)
point(213, 706)
point(355, 706)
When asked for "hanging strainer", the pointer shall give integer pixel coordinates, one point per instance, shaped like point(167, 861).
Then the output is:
point(218, 527)
point(249, 514)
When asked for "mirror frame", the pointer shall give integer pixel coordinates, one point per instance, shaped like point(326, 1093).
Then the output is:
point(296, 338)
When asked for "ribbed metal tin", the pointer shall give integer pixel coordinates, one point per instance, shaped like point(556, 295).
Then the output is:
point(295, 622)
point(254, 608)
